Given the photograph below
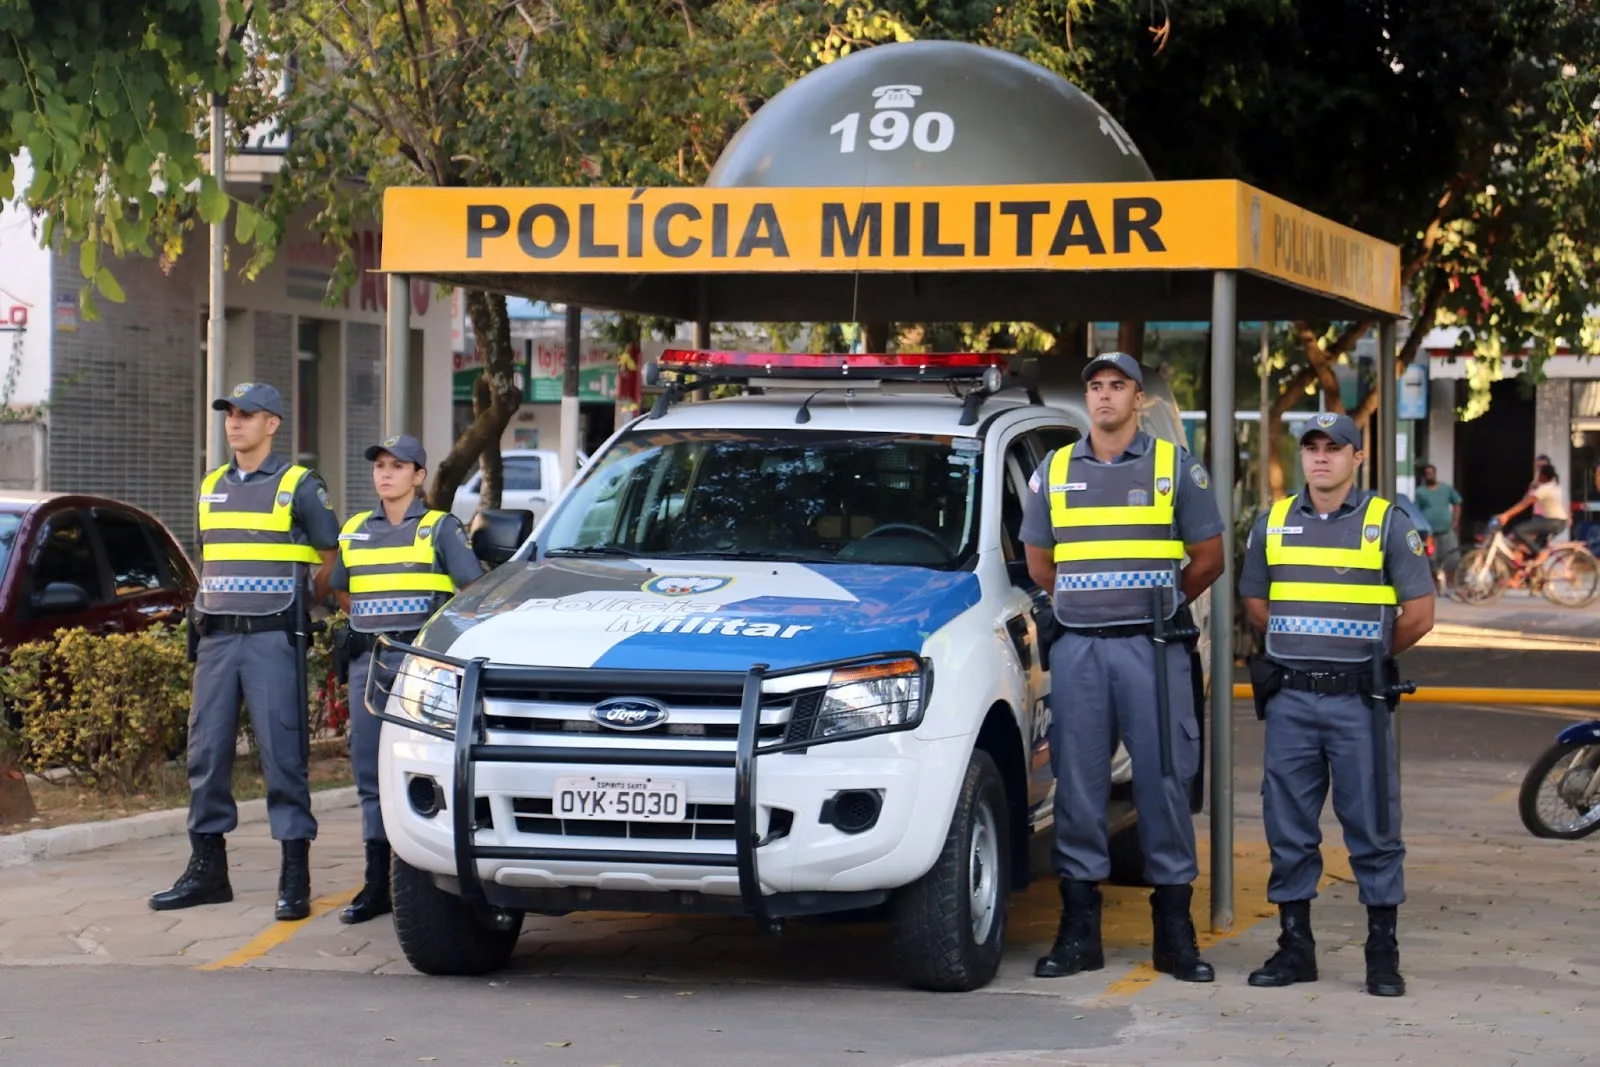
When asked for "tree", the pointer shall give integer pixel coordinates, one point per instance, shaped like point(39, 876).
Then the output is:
point(105, 97)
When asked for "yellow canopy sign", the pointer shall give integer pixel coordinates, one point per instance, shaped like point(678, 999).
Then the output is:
point(1213, 225)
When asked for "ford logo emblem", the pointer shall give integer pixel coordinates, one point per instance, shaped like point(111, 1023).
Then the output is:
point(628, 713)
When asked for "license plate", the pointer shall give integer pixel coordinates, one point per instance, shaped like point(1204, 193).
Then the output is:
point(620, 799)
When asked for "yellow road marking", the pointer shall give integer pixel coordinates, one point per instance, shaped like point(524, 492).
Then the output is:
point(1506, 795)
point(280, 932)
point(1252, 864)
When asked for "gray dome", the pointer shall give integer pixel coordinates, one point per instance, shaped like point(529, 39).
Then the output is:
point(929, 113)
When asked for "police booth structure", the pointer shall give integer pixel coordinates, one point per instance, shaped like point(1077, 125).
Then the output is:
point(928, 182)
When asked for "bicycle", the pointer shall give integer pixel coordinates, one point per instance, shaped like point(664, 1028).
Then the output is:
point(1567, 573)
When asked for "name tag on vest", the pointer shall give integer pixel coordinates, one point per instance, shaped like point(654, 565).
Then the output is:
point(214, 498)
point(1069, 487)
point(355, 537)
point(1286, 529)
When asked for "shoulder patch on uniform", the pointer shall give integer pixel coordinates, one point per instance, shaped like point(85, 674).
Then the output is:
point(1197, 475)
point(322, 497)
point(1371, 532)
point(1033, 482)
point(1163, 486)
point(284, 499)
point(424, 531)
point(1414, 542)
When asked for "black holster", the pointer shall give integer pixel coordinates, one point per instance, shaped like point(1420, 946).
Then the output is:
point(341, 653)
point(1048, 629)
point(192, 633)
point(1266, 678)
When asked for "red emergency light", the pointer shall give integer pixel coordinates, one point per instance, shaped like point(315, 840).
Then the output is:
point(902, 365)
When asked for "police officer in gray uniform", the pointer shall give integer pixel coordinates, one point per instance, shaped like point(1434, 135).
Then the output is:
point(1107, 524)
point(1324, 574)
point(265, 525)
point(397, 564)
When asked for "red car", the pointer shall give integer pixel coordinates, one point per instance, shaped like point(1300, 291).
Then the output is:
point(68, 560)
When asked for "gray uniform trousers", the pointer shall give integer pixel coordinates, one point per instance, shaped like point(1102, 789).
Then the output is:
point(364, 730)
point(1309, 734)
point(1102, 688)
point(259, 669)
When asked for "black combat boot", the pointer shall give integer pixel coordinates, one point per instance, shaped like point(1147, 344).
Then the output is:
point(1296, 958)
point(294, 881)
point(1383, 954)
point(1175, 951)
point(1077, 946)
point(204, 881)
point(373, 900)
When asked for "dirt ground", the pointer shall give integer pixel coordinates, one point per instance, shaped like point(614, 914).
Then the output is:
point(62, 803)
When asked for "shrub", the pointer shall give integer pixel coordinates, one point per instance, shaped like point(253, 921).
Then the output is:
point(111, 710)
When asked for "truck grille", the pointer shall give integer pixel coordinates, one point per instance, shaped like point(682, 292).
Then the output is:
point(568, 721)
point(702, 822)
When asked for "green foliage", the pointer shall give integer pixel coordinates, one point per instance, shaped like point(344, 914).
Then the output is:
point(110, 709)
point(106, 98)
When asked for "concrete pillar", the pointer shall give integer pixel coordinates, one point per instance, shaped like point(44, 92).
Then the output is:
point(1224, 339)
point(397, 356)
point(1552, 434)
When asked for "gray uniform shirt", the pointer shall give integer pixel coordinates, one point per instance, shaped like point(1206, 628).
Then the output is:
point(1405, 564)
point(449, 546)
point(313, 520)
point(1195, 508)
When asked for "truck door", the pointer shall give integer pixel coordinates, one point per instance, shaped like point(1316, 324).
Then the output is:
point(1023, 599)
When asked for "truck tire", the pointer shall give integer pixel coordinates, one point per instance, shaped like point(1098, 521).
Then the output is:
point(947, 929)
point(440, 933)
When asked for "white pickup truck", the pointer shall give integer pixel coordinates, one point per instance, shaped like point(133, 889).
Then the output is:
point(776, 655)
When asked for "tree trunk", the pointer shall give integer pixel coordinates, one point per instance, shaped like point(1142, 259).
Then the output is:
point(16, 803)
point(876, 336)
point(496, 398)
point(1130, 339)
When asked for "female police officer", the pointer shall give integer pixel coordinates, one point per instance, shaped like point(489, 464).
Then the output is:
point(397, 564)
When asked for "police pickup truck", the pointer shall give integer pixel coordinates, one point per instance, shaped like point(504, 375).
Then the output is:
point(776, 654)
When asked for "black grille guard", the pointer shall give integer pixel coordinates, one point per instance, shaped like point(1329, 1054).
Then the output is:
point(471, 748)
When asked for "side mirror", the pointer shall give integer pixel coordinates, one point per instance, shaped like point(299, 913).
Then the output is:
point(497, 534)
point(60, 598)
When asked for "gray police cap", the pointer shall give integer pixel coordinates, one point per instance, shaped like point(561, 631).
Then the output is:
point(403, 447)
point(1340, 429)
point(251, 397)
point(1118, 361)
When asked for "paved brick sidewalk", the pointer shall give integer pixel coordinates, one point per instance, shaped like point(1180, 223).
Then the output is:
point(1495, 939)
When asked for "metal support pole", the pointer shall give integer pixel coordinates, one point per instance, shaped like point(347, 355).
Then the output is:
point(217, 328)
point(702, 318)
point(570, 410)
point(1263, 446)
point(1388, 396)
point(397, 357)
point(1224, 338)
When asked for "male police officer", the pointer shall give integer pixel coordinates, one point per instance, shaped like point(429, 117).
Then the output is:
point(1323, 573)
point(263, 524)
point(1107, 524)
point(397, 564)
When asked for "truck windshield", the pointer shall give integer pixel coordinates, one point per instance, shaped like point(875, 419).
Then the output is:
point(814, 496)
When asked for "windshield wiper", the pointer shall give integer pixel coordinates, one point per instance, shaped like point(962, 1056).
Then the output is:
point(764, 557)
point(592, 550)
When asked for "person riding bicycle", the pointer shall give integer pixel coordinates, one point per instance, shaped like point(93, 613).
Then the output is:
point(1549, 504)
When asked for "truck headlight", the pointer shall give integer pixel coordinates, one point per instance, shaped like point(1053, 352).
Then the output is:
point(427, 691)
point(879, 696)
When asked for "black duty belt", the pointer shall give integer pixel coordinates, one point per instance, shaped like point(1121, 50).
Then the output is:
point(361, 642)
point(1326, 683)
point(1138, 629)
point(246, 624)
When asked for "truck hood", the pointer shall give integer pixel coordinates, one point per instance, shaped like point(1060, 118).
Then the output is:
point(703, 615)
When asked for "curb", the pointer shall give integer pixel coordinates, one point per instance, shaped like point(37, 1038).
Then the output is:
point(59, 841)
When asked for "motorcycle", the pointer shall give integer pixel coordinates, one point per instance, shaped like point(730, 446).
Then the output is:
point(1560, 795)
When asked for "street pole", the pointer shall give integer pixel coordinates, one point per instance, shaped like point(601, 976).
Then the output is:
point(1388, 466)
point(217, 329)
point(1224, 341)
point(397, 357)
point(1264, 490)
point(569, 395)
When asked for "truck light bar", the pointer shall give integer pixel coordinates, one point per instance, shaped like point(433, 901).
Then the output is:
point(940, 366)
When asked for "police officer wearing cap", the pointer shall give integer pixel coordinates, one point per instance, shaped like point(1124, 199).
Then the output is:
point(1107, 524)
point(265, 524)
point(397, 564)
point(1336, 578)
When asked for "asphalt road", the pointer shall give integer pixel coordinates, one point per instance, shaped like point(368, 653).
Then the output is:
point(834, 1002)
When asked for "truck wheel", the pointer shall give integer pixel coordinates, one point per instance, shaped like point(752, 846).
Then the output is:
point(440, 933)
point(947, 929)
point(1127, 858)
